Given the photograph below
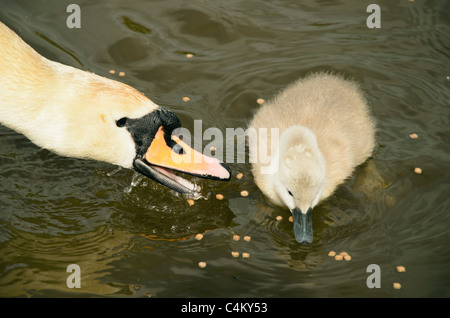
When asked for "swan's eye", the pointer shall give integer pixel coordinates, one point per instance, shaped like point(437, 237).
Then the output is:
point(121, 122)
point(290, 193)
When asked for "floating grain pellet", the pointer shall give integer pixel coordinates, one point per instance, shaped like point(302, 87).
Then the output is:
point(190, 202)
point(121, 73)
point(396, 285)
point(235, 254)
point(186, 99)
point(279, 218)
point(219, 196)
point(291, 219)
point(112, 72)
point(347, 257)
point(245, 255)
point(244, 193)
point(247, 238)
point(401, 269)
point(239, 176)
point(331, 253)
point(343, 253)
point(236, 237)
point(417, 170)
point(199, 236)
point(413, 136)
point(202, 264)
point(260, 101)
point(338, 257)
point(189, 55)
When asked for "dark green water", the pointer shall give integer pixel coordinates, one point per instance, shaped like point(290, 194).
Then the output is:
point(134, 238)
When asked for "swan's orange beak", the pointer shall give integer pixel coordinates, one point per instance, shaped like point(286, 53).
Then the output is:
point(180, 157)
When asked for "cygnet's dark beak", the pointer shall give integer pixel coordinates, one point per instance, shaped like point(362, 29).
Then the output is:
point(303, 229)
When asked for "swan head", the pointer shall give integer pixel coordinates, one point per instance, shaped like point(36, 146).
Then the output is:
point(301, 178)
point(159, 152)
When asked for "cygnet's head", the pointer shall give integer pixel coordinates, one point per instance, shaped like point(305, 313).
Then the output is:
point(301, 178)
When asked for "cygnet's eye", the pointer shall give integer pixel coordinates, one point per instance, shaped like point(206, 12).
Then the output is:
point(290, 193)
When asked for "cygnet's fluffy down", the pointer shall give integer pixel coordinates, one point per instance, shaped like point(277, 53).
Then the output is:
point(325, 130)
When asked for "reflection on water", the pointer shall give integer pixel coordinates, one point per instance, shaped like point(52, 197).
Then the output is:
point(132, 237)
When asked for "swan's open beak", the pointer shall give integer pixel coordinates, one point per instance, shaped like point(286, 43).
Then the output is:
point(161, 159)
point(303, 229)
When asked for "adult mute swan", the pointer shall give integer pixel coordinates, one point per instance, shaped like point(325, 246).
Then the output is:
point(79, 114)
point(325, 131)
